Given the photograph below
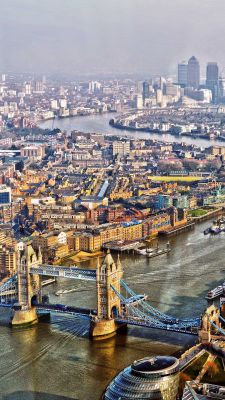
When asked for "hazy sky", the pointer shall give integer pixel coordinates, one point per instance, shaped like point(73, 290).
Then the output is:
point(111, 36)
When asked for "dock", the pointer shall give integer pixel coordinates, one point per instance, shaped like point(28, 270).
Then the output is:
point(122, 246)
point(153, 252)
point(176, 230)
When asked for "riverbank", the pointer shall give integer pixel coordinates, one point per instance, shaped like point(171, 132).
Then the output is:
point(100, 124)
point(176, 284)
point(216, 212)
point(119, 126)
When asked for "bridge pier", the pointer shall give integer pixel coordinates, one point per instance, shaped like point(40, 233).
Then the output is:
point(28, 286)
point(23, 316)
point(108, 304)
point(104, 328)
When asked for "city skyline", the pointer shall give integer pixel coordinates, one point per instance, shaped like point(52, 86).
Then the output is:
point(93, 38)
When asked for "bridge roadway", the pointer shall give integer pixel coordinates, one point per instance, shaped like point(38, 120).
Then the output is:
point(65, 272)
point(64, 309)
point(145, 324)
point(87, 312)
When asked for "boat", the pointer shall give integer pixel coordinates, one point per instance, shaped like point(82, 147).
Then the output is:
point(216, 228)
point(151, 252)
point(218, 291)
point(47, 282)
point(142, 252)
point(59, 292)
point(158, 252)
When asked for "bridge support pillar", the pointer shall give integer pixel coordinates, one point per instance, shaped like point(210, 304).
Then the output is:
point(104, 328)
point(24, 316)
point(211, 315)
point(204, 336)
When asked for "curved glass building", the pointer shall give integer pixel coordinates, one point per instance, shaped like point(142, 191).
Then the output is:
point(149, 378)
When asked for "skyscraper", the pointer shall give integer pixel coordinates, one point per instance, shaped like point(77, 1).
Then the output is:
point(193, 73)
point(146, 91)
point(182, 73)
point(212, 79)
point(221, 87)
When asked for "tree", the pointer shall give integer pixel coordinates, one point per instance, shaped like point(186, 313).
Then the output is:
point(212, 368)
point(20, 166)
point(183, 379)
point(13, 147)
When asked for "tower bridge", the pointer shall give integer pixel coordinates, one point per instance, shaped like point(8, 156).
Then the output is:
point(117, 304)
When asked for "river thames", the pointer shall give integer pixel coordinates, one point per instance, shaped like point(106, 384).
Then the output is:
point(100, 123)
point(57, 361)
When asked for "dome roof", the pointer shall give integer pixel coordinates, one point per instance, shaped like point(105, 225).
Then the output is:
point(155, 364)
point(146, 379)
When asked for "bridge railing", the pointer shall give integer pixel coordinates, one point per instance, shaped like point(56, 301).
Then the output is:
point(158, 314)
point(133, 315)
point(64, 272)
point(221, 330)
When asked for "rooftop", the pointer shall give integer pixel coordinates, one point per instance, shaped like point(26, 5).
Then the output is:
point(154, 364)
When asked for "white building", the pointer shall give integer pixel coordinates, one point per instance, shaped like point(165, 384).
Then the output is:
point(139, 101)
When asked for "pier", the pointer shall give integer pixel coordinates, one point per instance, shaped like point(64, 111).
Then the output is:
point(122, 246)
point(177, 230)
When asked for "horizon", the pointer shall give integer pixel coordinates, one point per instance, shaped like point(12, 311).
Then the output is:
point(145, 37)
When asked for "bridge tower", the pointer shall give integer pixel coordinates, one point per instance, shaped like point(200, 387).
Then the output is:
point(211, 314)
point(28, 287)
point(108, 274)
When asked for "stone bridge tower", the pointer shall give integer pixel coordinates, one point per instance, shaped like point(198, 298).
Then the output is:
point(29, 286)
point(212, 313)
point(108, 274)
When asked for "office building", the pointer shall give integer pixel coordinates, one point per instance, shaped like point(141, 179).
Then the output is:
point(54, 104)
point(8, 260)
point(212, 79)
point(212, 74)
point(195, 391)
point(138, 101)
point(193, 73)
point(38, 86)
point(33, 152)
point(150, 378)
point(5, 194)
point(163, 201)
point(172, 90)
point(94, 86)
point(221, 87)
point(121, 148)
point(63, 103)
point(27, 88)
point(140, 87)
point(146, 90)
point(182, 74)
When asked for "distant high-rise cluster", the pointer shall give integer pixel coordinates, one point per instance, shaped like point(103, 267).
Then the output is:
point(189, 78)
point(189, 73)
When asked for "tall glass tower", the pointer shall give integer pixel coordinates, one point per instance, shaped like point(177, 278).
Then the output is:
point(193, 73)
point(212, 79)
point(182, 73)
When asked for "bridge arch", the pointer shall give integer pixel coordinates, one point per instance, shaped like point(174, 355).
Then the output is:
point(34, 300)
point(114, 311)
